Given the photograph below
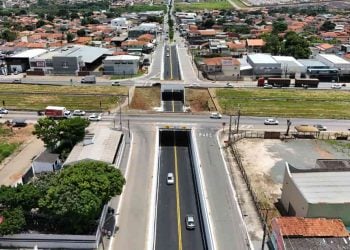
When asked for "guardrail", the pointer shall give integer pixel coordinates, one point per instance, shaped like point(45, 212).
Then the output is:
point(199, 185)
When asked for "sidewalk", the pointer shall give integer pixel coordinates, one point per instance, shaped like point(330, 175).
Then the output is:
point(12, 170)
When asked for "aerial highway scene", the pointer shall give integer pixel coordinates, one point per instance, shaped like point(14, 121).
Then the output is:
point(175, 125)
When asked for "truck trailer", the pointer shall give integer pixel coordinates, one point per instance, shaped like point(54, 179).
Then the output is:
point(56, 112)
point(279, 82)
point(306, 83)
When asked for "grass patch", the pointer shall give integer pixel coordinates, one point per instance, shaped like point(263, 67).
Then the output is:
point(28, 97)
point(340, 146)
point(146, 98)
point(286, 103)
point(208, 5)
point(6, 149)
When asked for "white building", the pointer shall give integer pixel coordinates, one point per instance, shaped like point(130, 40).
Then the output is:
point(46, 162)
point(121, 65)
point(290, 66)
point(334, 61)
point(121, 23)
point(264, 65)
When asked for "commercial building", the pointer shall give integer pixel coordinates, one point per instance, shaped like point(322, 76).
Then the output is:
point(264, 65)
point(334, 61)
point(304, 233)
point(69, 60)
point(143, 28)
point(121, 65)
point(316, 69)
point(20, 62)
point(290, 66)
point(318, 192)
point(121, 23)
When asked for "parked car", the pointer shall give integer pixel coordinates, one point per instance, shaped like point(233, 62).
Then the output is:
point(271, 121)
point(170, 179)
point(336, 86)
point(190, 225)
point(78, 112)
point(268, 86)
point(115, 83)
point(320, 127)
point(3, 111)
point(16, 81)
point(215, 115)
point(95, 117)
point(229, 85)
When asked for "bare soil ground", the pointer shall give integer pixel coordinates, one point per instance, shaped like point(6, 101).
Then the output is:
point(146, 98)
point(17, 135)
point(198, 99)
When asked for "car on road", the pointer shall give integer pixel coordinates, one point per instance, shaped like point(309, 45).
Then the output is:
point(116, 83)
point(195, 84)
point(215, 115)
point(67, 113)
point(3, 111)
point(229, 85)
point(190, 225)
point(16, 81)
point(95, 117)
point(170, 180)
point(320, 127)
point(268, 86)
point(167, 54)
point(336, 86)
point(271, 121)
point(78, 112)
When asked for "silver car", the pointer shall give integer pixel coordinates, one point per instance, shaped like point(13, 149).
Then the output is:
point(271, 121)
point(190, 225)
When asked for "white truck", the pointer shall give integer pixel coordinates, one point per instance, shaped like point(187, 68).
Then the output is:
point(56, 112)
point(88, 79)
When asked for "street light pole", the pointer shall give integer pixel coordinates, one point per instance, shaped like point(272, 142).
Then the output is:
point(238, 118)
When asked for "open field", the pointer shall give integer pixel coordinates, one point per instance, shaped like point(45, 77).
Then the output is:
point(198, 99)
point(286, 103)
point(146, 98)
point(205, 5)
point(36, 97)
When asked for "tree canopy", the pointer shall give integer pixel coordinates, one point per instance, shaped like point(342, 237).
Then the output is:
point(327, 26)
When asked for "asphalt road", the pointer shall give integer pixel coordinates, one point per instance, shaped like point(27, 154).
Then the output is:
point(178, 200)
point(175, 63)
point(171, 63)
point(172, 101)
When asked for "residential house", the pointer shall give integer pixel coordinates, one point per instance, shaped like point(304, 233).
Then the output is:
point(237, 48)
point(218, 46)
point(255, 45)
point(221, 68)
point(289, 233)
point(46, 162)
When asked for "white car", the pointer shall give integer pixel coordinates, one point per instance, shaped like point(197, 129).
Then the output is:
point(67, 113)
point(78, 112)
point(95, 117)
point(229, 85)
point(170, 180)
point(271, 121)
point(215, 115)
point(268, 86)
point(3, 111)
point(195, 84)
point(190, 225)
point(115, 83)
point(336, 86)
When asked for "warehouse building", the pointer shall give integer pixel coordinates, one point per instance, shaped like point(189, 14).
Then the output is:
point(20, 62)
point(121, 65)
point(290, 66)
point(318, 192)
point(264, 65)
point(316, 69)
point(70, 60)
point(334, 61)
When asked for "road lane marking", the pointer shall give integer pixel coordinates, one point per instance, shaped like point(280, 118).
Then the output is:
point(178, 211)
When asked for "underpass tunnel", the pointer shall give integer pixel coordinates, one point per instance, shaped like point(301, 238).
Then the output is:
point(172, 97)
point(178, 138)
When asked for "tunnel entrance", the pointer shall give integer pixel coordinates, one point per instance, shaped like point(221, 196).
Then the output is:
point(172, 97)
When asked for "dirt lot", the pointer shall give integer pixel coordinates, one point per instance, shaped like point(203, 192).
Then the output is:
point(264, 161)
point(146, 98)
point(198, 99)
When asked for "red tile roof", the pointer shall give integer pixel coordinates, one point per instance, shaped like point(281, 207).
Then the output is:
point(311, 227)
point(218, 60)
point(255, 42)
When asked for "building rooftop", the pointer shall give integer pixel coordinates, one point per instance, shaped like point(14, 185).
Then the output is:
point(100, 145)
point(317, 243)
point(334, 58)
point(122, 57)
point(30, 53)
point(312, 63)
point(46, 156)
point(311, 227)
point(262, 59)
point(319, 186)
point(288, 60)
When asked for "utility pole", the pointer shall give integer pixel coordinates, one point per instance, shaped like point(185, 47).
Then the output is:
point(120, 117)
point(238, 118)
point(230, 129)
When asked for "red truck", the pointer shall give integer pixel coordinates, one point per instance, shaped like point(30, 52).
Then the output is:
point(57, 112)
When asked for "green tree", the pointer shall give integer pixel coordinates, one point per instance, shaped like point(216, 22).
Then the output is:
point(295, 45)
point(46, 129)
point(327, 26)
point(50, 18)
point(40, 23)
point(78, 193)
point(279, 26)
point(272, 44)
point(8, 35)
point(13, 221)
point(72, 130)
point(208, 23)
point(81, 32)
point(74, 15)
point(70, 37)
